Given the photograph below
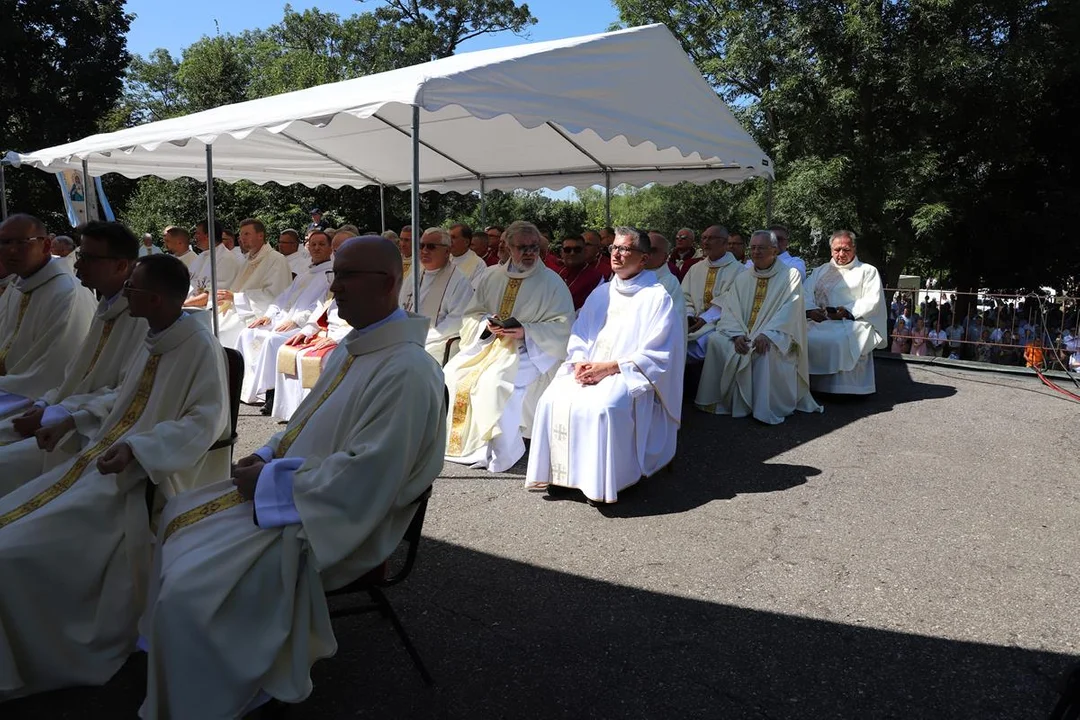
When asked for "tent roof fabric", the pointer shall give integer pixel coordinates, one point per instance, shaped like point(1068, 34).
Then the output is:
point(628, 106)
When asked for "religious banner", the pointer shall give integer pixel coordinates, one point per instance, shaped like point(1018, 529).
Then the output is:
point(81, 202)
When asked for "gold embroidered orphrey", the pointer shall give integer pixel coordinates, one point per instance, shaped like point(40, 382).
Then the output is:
point(760, 291)
point(23, 305)
point(483, 361)
point(233, 498)
point(710, 280)
point(105, 333)
point(75, 471)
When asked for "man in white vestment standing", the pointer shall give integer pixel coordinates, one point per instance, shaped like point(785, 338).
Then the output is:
point(178, 243)
point(704, 286)
point(263, 276)
point(148, 247)
point(755, 362)
point(75, 541)
point(612, 413)
point(847, 319)
point(44, 316)
point(74, 410)
point(288, 313)
point(657, 261)
point(468, 263)
point(445, 293)
point(237, 612)
point(782, 240)
point(227, 267)
point(512, 340)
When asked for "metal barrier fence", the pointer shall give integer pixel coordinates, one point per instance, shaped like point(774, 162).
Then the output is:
point(1031, 330)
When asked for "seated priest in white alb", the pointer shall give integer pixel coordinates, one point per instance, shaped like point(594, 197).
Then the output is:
point(74, 410)
point(44, 316)
point(75, 542)
point(301, 359)
point(237, 612)
point(63, 248)
point(468, 263)
point(704, 285)
point(847, 319)
point(287, 315)
point(657, 261)
point(755, 362)
point(296, 254)
point(611, 416)
point(263, 276)
point(445, 293)
point(178, 243)
point(513, 339)
point(6, 279)
point(227, 267)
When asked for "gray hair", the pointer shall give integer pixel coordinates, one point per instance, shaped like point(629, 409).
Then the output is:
point(640, 238)
point(842, 234)
point(65, 241)
point(391, 235)
point(766, 234)
point(521, 227)
point(443, 233)
point(350, 228)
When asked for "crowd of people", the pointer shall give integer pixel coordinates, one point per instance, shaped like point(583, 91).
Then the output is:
point(1019, 331)
point(125, 523)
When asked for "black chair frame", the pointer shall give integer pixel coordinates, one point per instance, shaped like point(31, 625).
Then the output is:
point(375, 581)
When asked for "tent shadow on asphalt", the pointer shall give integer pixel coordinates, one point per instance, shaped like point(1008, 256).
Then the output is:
point(721, 457)
point(506, 639)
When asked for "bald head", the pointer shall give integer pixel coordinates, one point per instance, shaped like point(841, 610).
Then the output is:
point(24, 244)
point(660, 251)
point(367, 279)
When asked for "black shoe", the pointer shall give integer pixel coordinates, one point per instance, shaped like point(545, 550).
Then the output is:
point(268, 405)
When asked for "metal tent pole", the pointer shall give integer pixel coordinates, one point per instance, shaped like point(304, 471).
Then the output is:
point(607, 199)
point(483, 206)
point(3, 194)
point(768, 201)
point(382, 208)
point(416, 205)
point(211, 302)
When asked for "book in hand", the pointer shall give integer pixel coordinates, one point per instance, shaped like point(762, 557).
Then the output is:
point(509, 323)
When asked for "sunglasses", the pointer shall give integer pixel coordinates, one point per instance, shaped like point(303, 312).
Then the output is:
point(573, 250)
point(432, 246)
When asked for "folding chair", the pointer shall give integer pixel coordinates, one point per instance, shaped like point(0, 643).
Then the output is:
point(380, 577)
point(449, 346)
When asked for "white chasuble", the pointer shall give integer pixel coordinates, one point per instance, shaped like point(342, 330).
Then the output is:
point(495, 383)
point(471, 265)
point(837, 347)
point(46, 318)
point(603, 438)
point(771, 386)
point(75, 544)
point(299, 368)
point(260, 345)
point(445, 295)
point(87, 395)
point(360, 449)
point(262, 277)
point(227, 268)
point(703, 287)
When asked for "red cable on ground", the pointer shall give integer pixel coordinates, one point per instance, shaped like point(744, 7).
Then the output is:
point(1051, 385)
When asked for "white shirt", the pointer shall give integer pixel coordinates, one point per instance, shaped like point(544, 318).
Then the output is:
point(152, 250)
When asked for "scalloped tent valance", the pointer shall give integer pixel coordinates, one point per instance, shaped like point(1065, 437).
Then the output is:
point(620, 107)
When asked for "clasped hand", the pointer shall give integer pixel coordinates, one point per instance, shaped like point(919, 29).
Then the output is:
point(49, 436)
point(696, 324)
point(29, 422)
point(115, 459)
point(245, 475)
point(589, 373)
point(760, 344)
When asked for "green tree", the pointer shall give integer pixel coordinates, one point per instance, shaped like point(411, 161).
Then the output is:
point(433, 29)
point(63, 65)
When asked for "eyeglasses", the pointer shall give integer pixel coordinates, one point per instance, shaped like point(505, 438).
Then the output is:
point(713, 237)
point(760, 248)
point(526, 249)
point(331, 275)
point(20, 241)
point(89, 257)
point(573, 249)
point(623, 250)
point(432, 246)
point(128, 288)
point(687, 237)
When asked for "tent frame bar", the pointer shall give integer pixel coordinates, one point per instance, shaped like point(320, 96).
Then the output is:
point(429, 146)
point(565, 136)
point(415, 204)
point(211, 228)
point(382, 208)
point(3, 192)
point(328, 156)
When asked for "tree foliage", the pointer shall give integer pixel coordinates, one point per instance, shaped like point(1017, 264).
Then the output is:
point(63, 66)
point(930, 127)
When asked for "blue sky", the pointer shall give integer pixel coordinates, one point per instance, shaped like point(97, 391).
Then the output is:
point(175, 25)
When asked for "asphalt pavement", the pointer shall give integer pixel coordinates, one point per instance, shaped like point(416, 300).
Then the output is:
point(908, 555)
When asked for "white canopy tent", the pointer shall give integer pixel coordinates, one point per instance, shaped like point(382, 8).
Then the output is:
point(620, 107)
